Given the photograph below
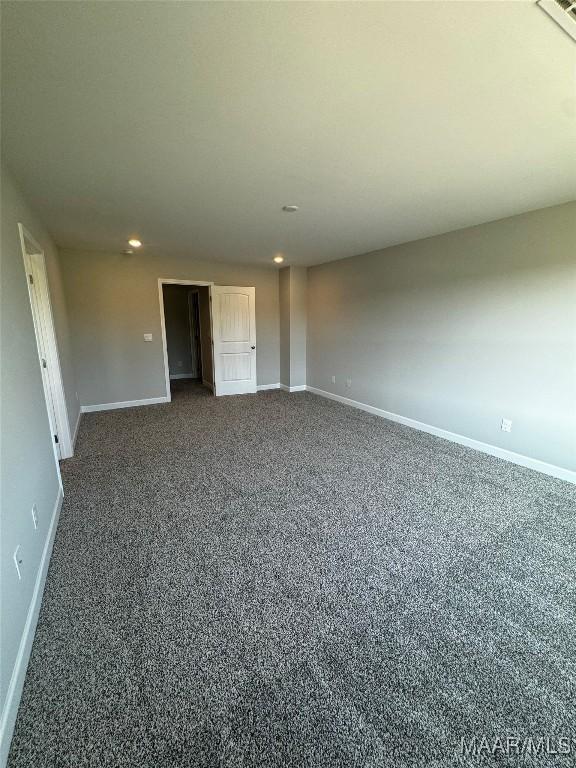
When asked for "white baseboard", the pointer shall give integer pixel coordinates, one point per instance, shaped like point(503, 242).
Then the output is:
point(125, 404)
point(478, 445)
point(20, 665)
point(263, 387)
point(75, 434)
point(183, 376)
point(299, 388)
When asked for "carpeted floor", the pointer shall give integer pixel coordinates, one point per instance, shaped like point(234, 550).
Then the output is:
point(279, 580)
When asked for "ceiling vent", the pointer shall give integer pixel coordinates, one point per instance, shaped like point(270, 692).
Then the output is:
point(563, 12)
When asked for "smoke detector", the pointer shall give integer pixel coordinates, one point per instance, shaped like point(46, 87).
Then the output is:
point(563, 12)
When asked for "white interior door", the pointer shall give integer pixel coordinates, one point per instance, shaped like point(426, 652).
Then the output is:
point(41, 342)
point(234, 336)
point(46, 344)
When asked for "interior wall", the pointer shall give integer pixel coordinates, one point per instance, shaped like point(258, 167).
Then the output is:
point(113, 300)
point(284, 291)
point(28, 465)
point(459, 331)
point(177, 322)
point(298, 325)
point(293, 310)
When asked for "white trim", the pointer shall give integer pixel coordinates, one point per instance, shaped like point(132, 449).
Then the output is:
point(560, 16)
point(182, 376)
point(211, 312)
point(21, 663)
point(170, 281)
point(75, 435)
point(264, 387)
point(164, 341)
point(177, 281)
point(299, 388)
point(124, 404)
point(46, 342)
point(478, 445)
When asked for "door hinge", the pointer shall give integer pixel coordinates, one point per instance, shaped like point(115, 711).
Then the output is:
point(56, 439)
point(31, 279)
point(44, 363)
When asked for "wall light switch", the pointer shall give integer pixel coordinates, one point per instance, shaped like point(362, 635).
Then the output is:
point(333, 379)
point(35, 516)
point(147, 337)
point(348, 383)
point(506, 425)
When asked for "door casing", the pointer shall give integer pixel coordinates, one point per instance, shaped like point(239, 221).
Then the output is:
point(175, 281)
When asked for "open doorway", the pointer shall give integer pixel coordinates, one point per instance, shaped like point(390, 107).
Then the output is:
point(187, 335)
point(225, 335)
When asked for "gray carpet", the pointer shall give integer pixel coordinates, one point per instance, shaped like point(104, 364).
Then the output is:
point(280, 580)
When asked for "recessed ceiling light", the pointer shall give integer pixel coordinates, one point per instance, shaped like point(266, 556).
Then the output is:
point(289, 208)
point(278, 258)
point(134, 242)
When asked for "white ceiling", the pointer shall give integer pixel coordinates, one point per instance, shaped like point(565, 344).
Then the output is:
point(191, 123)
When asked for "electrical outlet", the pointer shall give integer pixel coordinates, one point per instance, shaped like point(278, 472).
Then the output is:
point(179, 363)
point(18, 562)
point(147, 337)
point(506, 425)
point(35, 516)
point(348, 383)
point(333, 379)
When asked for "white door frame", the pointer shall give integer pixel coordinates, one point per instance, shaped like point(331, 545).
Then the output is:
point(40, 304)
point(173, 281)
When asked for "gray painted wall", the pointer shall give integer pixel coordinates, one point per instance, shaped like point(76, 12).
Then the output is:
point(293, 310)
point(284, 291)
point(177, 320)
point(28, 467)
point(459, 330)
point(298, 325)
point(113, 300)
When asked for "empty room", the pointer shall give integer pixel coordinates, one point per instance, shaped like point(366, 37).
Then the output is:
point(288, 384)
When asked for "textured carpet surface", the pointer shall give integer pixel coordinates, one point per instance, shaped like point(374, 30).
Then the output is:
point(279, 580)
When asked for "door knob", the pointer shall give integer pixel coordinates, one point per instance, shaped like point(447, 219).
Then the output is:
point(252, 347)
